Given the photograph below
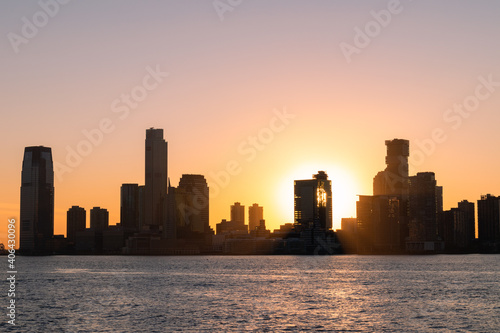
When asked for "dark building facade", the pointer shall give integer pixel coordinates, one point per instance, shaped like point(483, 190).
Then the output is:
point(313, 202)
point(454, 230)
point(378, 225)
point(470, 221)
point(76, 221)
point(394, 181)
point(192, 207)
point(156, 179)
point(255, 215)
point(130, 207)
point(488, 213)
point(426, 204)
point(37, 201)
point(99, 219)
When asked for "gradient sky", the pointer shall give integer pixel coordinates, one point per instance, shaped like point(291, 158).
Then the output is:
point(227, 78)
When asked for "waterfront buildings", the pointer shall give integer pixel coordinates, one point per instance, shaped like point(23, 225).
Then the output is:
point(156, 179)
point(37, 201)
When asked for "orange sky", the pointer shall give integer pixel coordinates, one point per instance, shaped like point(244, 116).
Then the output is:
point(227, 79)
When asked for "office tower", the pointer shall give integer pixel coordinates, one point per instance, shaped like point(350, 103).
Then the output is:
point(193, 204)
point(129, 207)
point(37, 201)
point(155, 201)
point(313, 202)
point(76, 221)
point(99, 219)
point(394, 179)
point(238, 213)
point(488, 219)
point(426, 203)
point(470, 221)
point(378, 224)
point(453, 230)
point(255, 214)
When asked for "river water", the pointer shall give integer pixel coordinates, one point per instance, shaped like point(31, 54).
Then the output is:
point(442, 293)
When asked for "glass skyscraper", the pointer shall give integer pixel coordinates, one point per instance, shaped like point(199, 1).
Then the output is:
point(37, 201)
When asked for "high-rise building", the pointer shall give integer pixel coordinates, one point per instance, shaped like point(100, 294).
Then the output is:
point(453, 230)
point(99, 219)
point(255, 214)
point(470, 221)
point(76, 221)
point(488, 219)
point(394, 179)
point(193, 204)
point(37, 201)
point(378, 225)
point(129, 207)
point(426, 204)
point(313, 202)
point(238, 213)
point(156, 181)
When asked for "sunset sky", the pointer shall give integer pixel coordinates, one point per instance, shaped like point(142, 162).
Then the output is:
point(344, 76)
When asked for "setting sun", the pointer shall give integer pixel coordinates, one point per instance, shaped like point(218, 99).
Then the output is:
point(344, 190)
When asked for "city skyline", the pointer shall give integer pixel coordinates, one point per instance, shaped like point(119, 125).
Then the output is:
point(273, 102)
point(397, 214)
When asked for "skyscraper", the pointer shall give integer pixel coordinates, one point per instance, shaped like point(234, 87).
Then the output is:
point(426, 204)
point(99, 219)
point(378, 224)
point(76, 220)
point(394, 179)
point(470, 221)
point(238, 214)
point(156, 181)
point(313, 202)
point(193, 204)
point(37, 201)
point(488, 219)
point(255, 214)
point(129, 207)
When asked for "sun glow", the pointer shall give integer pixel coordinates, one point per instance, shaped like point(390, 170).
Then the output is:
point(344, 190)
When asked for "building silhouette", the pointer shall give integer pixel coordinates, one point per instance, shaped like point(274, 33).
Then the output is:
point(37, 201)
point(130, 207)
point(99, 219)
point(378, 224)
point(313, 202)
point(235, 226)
point(156, 179)
point(255, 215)
point(470, 221)
point(76, 221)
point(394, 181)
point(488, 213)
point(454, 230)
point(191, 207)
point(238, 213)
point(426, 204)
